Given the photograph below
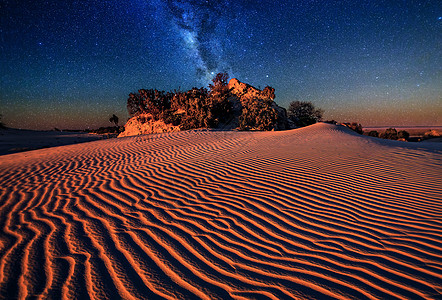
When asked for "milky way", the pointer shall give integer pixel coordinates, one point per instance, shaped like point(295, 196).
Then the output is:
point(198, 24)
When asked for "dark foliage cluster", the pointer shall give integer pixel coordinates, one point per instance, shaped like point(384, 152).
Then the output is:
point(373, 133)
point(114, 119)
point(304, 113)
point(403, 135)
point(196, 108)
point(390, 134)
point(258, 113)
point(393, 134)
point(150, 101)
point(354, 126)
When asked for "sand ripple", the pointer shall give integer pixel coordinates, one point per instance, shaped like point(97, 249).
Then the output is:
point(317, 213)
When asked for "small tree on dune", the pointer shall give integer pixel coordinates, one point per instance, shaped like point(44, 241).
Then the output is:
point(304, 113)
point(114, 119)
point(373, 133)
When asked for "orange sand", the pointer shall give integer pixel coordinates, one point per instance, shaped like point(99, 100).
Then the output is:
point(318, 212)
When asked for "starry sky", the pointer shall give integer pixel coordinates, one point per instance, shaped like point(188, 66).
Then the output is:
point(71, 64)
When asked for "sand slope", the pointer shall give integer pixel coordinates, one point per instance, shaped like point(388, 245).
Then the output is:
point(317, 212)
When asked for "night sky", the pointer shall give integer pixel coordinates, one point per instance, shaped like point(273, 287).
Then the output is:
point(72, 64)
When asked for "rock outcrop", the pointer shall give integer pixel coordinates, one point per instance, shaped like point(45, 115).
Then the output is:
point(241, 94)
point(243, 90)
point(145, 124)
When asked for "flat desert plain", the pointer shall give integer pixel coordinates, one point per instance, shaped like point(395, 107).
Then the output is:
point(312, 213)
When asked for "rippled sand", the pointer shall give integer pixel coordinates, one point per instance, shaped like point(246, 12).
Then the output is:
point(318, 212)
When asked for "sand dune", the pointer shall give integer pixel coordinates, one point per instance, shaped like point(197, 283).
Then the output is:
point(318, 212)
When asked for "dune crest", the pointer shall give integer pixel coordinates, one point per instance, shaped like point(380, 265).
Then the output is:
point(317, 212)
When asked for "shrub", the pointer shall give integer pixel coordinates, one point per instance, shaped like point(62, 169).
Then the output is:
point(373, 133)
point(150, 101)
point(403, 135)
point(390, 133)
point(257, 114)
point(303, 113)
point(195, 105)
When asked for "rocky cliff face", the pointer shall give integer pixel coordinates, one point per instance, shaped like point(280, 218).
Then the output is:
point(243, 90)
point(145, 124)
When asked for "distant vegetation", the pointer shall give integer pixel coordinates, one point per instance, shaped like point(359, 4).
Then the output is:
point(391, 134)
point(373, 133)
point(303, 113)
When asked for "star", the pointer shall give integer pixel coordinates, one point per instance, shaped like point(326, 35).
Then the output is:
point(340, 55)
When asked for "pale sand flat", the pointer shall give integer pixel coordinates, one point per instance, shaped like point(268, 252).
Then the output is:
point(318, 212)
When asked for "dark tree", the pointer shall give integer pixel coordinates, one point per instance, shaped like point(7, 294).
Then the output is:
point(390, 133)
point(114, 119)
point(402, 134)
point(134, 104)
point(257, 114)
point(304, 113)
point(373, 133)
point(219, 94)
point(150, 101)
point(192, 108)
